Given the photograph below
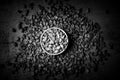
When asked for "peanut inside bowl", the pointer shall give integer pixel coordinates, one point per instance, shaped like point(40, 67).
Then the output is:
point(54, 41)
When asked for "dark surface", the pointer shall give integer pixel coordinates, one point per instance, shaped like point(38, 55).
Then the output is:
point(110, 9)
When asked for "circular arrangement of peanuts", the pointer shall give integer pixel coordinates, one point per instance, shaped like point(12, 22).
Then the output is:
point(54, 41)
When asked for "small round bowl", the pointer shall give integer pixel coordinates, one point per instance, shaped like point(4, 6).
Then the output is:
point(54, 41)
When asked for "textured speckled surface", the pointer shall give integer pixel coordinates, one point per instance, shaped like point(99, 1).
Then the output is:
point(103, 12)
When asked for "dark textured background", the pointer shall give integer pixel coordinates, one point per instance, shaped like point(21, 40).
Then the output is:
point(105, 12)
